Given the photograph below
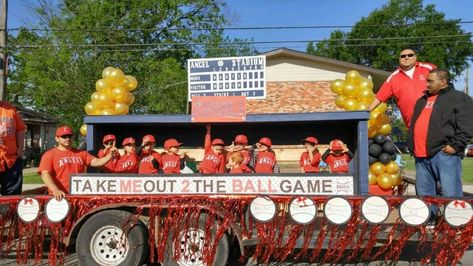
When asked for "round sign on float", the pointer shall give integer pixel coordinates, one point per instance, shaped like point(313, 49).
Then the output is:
point(338, 210)
point(375, 209)
point(28, 210)
point(414, 211)
point(262, 209)
point(458, 213)
point(56, 211)
point(302, 210)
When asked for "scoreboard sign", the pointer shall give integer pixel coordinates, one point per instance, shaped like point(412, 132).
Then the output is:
point(227, 76)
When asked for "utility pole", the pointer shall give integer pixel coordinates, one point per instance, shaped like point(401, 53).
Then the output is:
point(3, 52)
point(467, 80)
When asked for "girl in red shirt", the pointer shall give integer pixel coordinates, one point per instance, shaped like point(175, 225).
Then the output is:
point(109, 141)
point(172, 162)
point(310, 159)
point(337, 157)
point(128, 163)
point(263, 159)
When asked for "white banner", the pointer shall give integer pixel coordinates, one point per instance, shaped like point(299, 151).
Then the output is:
point(204, 185)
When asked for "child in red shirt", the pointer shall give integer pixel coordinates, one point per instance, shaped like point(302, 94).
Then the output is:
point(150, 159)
point(337, 157)
point(109, 141)
point(239, 146)
point(263, 159)
point(310, 159)
point(128, 163)
point(172, 162)
point(235, 160)
point(214, 159)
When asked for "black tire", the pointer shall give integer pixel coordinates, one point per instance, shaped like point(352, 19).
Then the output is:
point(222, 252)
point(104, 229)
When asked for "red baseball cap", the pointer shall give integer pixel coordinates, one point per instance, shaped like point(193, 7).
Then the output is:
point(149, 138)
point(129, 140)
point(218, 142)
point(64, 130)
point(336, 145)
point(171, 143)
point(108, 138)
point(241, 139)
point(265, 141)
point(312, 140)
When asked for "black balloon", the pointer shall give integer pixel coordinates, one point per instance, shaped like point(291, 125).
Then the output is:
point(370, 141)
point(393, 157)
point(375, 150)
point(389, 147)
point(384, 158)
point(372, 159)
point(380, 139)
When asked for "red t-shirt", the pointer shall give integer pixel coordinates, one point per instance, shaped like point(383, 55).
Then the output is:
point(246, 160)
point(406, 90)
point(310, 166)
point(170, 163)
point(146, 163)
point(236, 170)
point(265, 162)
point(338, 163)
point(61, 164)
point(421, 128)
point(110, 166)
point(212, 163)
point(128, 163)
point(10, 124)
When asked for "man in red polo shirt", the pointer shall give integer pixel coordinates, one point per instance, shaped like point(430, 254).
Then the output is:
point(406, 84)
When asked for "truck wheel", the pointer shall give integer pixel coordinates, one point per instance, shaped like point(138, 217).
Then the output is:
point(101, 241)
point(191, 242)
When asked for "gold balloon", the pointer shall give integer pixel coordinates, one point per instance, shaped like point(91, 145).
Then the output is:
point(353, 76)
point(381, 108)
point(392, 167)
point(118, 93)
point(337, 86)
point(382, 119)
point(116, 77)
point(106, 71)
point(101, 85)
point(396, 179)
point(373, 115)
point(365, 96)
point(350, 90)
point(83, 130)
point(121, 108)
point(92, 108)
point(385, 181)
point(130, 99)
point(350, 104)
point(377, 168)
point(107, 111)
point(130, 82)
point(95, 97)
point(339, 100)
point(372, 132)
point(372, 179)
point(362, 106)
point(366, 84)
point(385, 129)
point(105, 101)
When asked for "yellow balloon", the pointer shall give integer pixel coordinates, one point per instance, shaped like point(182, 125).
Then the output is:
point(339, 100)
point(107, 111)
point(382, 119)
point(366, 84)
point(130, 82)
point(83, 130)
point(105, 101)
point(95, 97)
point(350, 104)
point(385, 181)
point(365, 96)
point(381, 108)
point(377, 168)
point(396, 179)
point(101, 85)
point(337, 86)
point(372, 179)
point(392, 167)
point(106, 71)
point(121, 108)
point(350, 90)
point(115, 76)
point(353, 76)
point(362, 106)
point(92, 108)
point(130, 99)
point(385, 129)
point(372, 132)
point(118, 93)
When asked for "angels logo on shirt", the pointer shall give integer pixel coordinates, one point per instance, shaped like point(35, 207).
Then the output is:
point(70, 160)
point(147, 159)
point(265, 160)
point(339, 163)
point(213, 158)
point(307, 162)
point(169, 164)
point(422, 77)
point(429, 105)
point(127, 164)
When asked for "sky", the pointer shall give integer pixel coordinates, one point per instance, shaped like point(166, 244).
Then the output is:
point(263, 13)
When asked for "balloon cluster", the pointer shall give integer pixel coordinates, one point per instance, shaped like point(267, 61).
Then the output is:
point(384, 171)
point(353, 93)
point(112, 96)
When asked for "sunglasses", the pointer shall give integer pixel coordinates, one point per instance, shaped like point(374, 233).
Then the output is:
point(407, 55)
point(66, 137)
point(108, 142)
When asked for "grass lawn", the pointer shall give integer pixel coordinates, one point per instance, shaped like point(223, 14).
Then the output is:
point(467, 167)
point(32, 178)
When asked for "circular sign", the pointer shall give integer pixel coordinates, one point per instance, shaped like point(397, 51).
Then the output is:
point(458, 213)
point(414, 211)
point(375, 209)
point(56, 211)
point(262, 209)
point(302, 210)
point(338, 210)
point(28, 210)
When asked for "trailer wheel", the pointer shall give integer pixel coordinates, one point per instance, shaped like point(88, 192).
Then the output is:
point(101, 240)
point(191, 242)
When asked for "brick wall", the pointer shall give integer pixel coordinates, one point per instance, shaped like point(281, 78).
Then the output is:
point(295, 97)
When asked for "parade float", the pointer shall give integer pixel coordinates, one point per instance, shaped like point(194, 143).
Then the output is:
point(194, 219)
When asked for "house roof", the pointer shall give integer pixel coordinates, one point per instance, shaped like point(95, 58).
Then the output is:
point(30, 116)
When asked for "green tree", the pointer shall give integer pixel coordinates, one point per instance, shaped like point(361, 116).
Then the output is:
point(54, 71)
point(376, 40)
